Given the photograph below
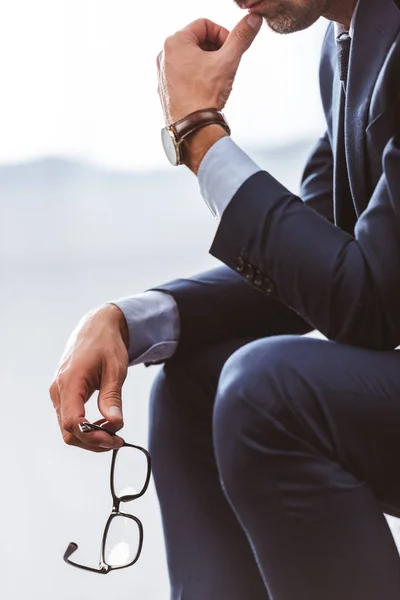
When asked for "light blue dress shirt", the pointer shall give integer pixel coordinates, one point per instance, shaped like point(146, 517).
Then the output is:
point(153, 323)
point(223, 170)
point(153, 317)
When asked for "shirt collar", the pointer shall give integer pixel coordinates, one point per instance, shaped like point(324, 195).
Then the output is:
point(340, 29)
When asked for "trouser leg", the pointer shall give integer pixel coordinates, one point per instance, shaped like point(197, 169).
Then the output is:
point(307, 440)
point(208, 555)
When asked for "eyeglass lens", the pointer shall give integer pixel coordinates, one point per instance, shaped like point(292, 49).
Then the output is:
point(122, 543)
point(130, 472)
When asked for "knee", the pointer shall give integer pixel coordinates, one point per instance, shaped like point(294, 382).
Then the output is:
point(252, 409)
point(261, 375)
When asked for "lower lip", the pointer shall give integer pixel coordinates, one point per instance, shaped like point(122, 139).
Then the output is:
point(256, 7)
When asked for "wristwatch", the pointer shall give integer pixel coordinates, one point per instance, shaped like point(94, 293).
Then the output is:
point(173, 135)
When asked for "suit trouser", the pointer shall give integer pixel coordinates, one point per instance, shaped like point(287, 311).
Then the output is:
point(273, 462)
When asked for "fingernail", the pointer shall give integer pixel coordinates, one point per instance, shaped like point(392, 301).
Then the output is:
point(115, 411)
point(107, 446)
point(254, 21)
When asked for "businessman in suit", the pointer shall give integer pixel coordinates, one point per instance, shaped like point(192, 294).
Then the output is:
point(275, 455)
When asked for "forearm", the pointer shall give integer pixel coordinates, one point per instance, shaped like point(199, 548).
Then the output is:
point(219, 304)
point(338, 283)
point(343, 285)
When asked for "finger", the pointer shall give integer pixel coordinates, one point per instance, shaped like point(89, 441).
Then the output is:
point(242, 36)
point(101, 422)
point(89, 429)
point(92, 441)
point(110, 394)
point(206, 32)
point(102, 442)
point(106, 425)
point(70, 438)
point(74, 392)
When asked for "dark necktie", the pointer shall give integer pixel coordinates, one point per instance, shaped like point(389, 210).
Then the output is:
point(343, 49)
point(345, 211)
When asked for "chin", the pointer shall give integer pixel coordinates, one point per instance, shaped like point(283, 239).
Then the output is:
point(286, 19)
point(284, 24)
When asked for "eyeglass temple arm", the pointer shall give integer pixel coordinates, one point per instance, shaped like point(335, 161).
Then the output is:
point(73, 547)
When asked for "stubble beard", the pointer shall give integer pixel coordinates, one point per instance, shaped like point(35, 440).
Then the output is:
point(289, 18)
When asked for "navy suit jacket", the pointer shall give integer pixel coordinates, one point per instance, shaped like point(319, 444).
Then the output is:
point(331, 255)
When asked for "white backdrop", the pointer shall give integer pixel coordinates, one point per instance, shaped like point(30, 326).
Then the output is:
point(79, 79)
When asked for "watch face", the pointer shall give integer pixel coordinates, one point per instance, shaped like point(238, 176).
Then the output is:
point(168, 143)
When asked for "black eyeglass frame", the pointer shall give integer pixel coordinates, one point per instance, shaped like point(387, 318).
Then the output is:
point(104, 567)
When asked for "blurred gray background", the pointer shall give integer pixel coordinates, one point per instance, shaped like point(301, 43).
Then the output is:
point(100, 217)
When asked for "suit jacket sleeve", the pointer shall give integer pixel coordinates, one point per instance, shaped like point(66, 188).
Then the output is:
point(317, 181)
point(220, 303)
point(348, 287)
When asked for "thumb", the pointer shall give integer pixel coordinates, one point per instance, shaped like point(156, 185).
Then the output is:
point(242, 36)
point(110, 397)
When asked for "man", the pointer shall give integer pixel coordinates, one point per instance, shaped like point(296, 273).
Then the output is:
point(274, 455)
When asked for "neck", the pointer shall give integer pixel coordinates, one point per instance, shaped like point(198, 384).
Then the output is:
point(340, 11)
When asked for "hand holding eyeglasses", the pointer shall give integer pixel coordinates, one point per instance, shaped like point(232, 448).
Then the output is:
point(95, 358)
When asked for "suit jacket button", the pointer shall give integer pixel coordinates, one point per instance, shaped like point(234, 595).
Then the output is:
point(239, 264)
point(249, 272)
point(269, 286)
point(258, 279)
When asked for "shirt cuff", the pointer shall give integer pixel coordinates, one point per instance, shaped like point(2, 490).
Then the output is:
point(223, 170)
point(153, 324)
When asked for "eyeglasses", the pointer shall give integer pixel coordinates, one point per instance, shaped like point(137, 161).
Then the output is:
point(123, 534)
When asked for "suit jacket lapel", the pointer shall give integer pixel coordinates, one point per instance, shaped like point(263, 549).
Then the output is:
point(377, 24)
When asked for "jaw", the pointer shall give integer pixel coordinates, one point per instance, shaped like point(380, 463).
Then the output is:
point(288, 18)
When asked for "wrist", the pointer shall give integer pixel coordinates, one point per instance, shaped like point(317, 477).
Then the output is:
point(117, 318)
point(197, 144)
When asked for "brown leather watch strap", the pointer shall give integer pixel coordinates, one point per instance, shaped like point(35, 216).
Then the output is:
point(197, 120)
